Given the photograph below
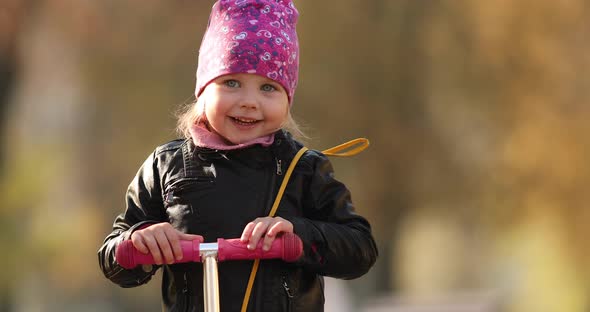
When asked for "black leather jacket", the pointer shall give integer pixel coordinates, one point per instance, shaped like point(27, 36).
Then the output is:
point(215, 194)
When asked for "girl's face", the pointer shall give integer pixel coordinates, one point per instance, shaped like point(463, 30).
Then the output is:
point(243, 107)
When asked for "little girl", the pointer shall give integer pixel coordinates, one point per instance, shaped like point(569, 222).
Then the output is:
point(221, 179)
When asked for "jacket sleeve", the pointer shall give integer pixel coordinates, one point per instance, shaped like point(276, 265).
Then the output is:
point(143, 207)
point(337, 242)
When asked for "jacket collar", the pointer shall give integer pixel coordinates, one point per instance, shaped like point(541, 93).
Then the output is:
point(283, 147)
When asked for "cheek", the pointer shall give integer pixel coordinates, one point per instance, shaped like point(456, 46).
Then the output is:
point(213, 103)
point(285, 110)
point(213, 110)
point(280, 114)
point(280, 109)
point(213, 115)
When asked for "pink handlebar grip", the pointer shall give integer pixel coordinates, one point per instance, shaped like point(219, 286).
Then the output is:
point(287, 247)
point(129, 257)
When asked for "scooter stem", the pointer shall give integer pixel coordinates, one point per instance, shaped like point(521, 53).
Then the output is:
point(210, 280)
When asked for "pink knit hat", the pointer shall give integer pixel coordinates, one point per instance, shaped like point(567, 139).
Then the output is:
point(251, 36)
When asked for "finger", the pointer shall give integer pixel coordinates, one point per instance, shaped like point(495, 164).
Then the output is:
point(138, 243)
point(174, 241)
point(247, 232)
point(165, 247)
point(153, 248)
point(191, 237)
point(267, 242)
point(281, 225)
point(257, 233)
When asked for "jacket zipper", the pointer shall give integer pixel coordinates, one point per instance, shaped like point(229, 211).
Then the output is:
point(288, 292)
point(272, 187)
point(185, 288)
point(279, 166)
point(185, 294)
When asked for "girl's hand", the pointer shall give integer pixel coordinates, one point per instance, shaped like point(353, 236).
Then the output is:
point(268, 227)
point(162, 241)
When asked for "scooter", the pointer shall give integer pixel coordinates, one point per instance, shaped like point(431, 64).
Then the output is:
point(287, 247)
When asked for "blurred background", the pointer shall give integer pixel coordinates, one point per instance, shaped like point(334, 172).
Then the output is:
point(476, 182)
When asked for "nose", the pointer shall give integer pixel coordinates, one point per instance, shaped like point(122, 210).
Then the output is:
point(249, 100)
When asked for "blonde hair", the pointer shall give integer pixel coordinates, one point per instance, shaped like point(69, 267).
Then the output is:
point(193, 113)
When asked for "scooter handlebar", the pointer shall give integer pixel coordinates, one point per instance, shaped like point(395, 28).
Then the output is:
point(129, 257)
point(287, 247)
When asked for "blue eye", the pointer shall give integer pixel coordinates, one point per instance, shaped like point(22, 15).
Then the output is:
point(268, 88)
point(232, 83)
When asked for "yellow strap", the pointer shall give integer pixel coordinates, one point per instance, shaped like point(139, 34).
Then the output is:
point(275, 205)
point(250, 284)
point(354, 147)
point(273, 210)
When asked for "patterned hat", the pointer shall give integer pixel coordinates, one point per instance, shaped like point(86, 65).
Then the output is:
point(251, 36)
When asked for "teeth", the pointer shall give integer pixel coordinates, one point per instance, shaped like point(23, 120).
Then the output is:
point(245, 120)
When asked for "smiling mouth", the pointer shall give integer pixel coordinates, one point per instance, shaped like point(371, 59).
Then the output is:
point(244, 121)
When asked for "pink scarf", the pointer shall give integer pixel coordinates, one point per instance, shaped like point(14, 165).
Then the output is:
point(205, 138)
